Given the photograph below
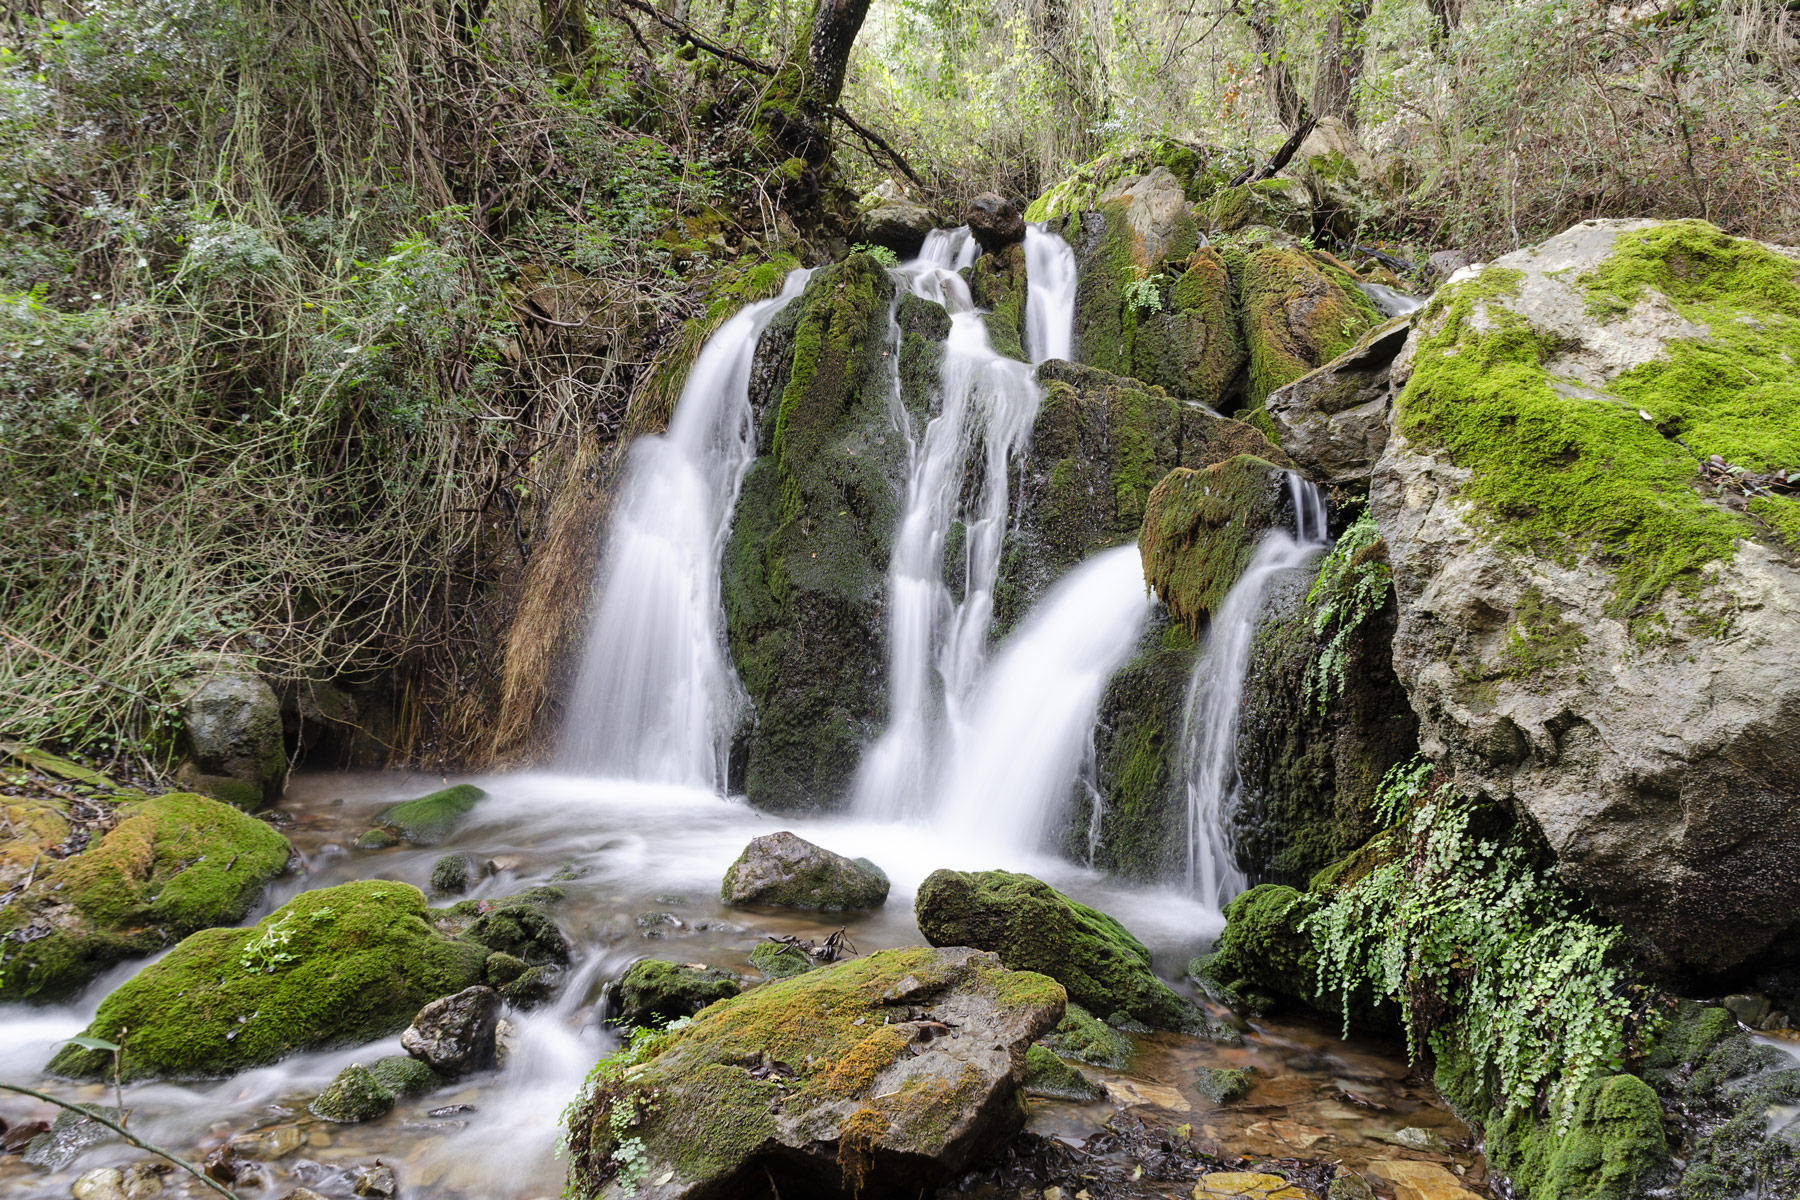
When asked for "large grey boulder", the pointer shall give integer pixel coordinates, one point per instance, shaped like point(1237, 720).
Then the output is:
point(1598, 622)
point(455, 1035)
point(784, 870)
point(231, 734)
point(995, 221)
point(1333, 422)
point(899, 225)
point(1158, 216)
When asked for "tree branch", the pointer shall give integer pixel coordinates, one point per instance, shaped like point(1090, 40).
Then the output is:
point(119, 1129)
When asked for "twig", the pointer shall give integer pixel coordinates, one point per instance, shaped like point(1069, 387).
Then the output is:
point(1281, 156)
point(870, 135)
point(119, 1129)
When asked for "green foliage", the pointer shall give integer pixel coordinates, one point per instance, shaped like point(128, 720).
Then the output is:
point(1485, 954)
point(880, 254)
point(1146, 292)
point(1352, 585)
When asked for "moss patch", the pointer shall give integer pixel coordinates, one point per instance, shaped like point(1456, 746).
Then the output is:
point(1300, 311)
point(997, 283)
point(430, 819)
point(1048, 1076)
point(656, 992)
point(334, 967)
point(1082, 1036)
point(1200, 529)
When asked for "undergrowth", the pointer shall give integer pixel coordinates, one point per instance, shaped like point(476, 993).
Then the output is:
point(1352, 585)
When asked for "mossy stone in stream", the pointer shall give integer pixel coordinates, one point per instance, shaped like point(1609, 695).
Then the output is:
point(173, 865)
point(1262, 954)
point(998, 284)
point(1202, 527)
point(1223, 1085)
point(503, 968)
point(430, 819)
point(778, 960)
point(354, 1095)
point(404, 1075)
point(654, 992)
point(1048, 1076)
point(1081, 1035)
point(452, 873)
point(334, 967)
point(1034, 927)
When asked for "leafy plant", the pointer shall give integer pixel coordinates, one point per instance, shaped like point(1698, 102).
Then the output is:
point(268, 952)
point(1351, 586)
point(880, 254)
point(1146, 293)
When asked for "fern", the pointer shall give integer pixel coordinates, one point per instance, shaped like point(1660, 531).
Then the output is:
point(1146, 293)
point(1352, 585)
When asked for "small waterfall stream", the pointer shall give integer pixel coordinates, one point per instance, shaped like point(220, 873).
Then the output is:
point(656, 697)
point(1216, 695)
point(1049, 296)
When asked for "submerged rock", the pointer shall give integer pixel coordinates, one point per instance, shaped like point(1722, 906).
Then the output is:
point(432, 818)
point(455, 1034)
point(231, 736)
point(1598, 623)
point(789, 871)
point(354, 1095)
point(334, 967)
point(173, 865)
point(1034, 927)
point(882, 1076)
point(654, 992)
point(1223, 1085)
point(1048, 1076)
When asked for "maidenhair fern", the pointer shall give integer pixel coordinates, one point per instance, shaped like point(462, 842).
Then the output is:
point(1490, 961)
point(1352, 586)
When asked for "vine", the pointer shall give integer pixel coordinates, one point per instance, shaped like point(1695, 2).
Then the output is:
point(1351, 587)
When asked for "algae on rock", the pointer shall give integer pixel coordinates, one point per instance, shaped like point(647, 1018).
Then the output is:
point(1300, 311)
point(1201, 528)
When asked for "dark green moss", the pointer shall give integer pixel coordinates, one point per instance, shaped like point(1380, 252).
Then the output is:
point(656, 992)
point(404, 1075)
point(1223, 1085)
point(334, 967)
point(1201, 527)
point(1299, 312)
point(452, 873)
point(430, 819)
point(1262, 954)
point(354, 1095)
point(1048, 1076)
point(1034, 927)
point(1082, 1036)
point(997, 284)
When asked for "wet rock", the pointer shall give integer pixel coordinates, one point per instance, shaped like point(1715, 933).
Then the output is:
point(137, 1182)
point(781, 869)
point(173, 865)
point(1415, 1180)
point(1223, 1085)
point(376, 839)
point(901, 1069)
point(69, 1135)
point(337, 966)
point(452, 873)
point(431, 818)
point(20, 1135)
point(301, 1193)
point(1050, 1077)
point(995, 221)
point(522, 931)
point(778, 960)
point(354, 1095)
point(404, 1075)
point(1636, 689)
point(231, 739)
point(1201, 528)
point(377, 1180)
point(1034, 927)
point(1300, 311)
point(656, 992)
point(1080, 1035)
point(455, 1035)
point(899, 225)
point(277, 1141)
point(1333, 421)
point(1350, 1186)
point(535, 987)
point(1245, 1185)
point(502, 968)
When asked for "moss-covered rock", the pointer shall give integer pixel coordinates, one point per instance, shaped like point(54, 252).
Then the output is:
point(404, 1075)
point(1081, 1035)
point(654, 992)
point(833, 1081)
point(1199, 170)
point(1034, 927)
point(1050, 1077)
point(1283, 204)
point(432, 818)
point(1262, 957)
point(231, 738)
point(1223, 1085)
point(787, 871)
point(997, 283)
point(335, 967)
point(173, 865)
point(1300, 311)
point(778, 960)
point(1201, 528)
point(810, 540)
point(354, 1095)
point(452, 873)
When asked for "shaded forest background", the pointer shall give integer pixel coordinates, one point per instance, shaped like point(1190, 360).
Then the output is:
point(323, 327)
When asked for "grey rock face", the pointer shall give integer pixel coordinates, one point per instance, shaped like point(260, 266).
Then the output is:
point(783, 869)
point(995, 221)
point(231, 728)
point(1333, 421)
point(455, 1035)
point(899, 225)
point(1659, 753)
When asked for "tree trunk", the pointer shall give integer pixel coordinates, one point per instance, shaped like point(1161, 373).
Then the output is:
point(1446, 15)
point(835, 25)
point(1340, 63)
point(1284, 96)
point(566, 37)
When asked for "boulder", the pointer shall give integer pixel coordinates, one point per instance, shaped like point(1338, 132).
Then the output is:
point(884, 1076)
point(353, 1095)
point(653, 992)
point(405, 1075)
point(1333, 421)
point(781, 869)
point(1300, 309)
point(995, 221)
point(452, 873)
point(1201, 528)
point(1158, 223)
point(231, 738)
point(1223, 1085)
point(173, 865)
point(998, 285)
point(432, 818)
point(454, 1035)
point(1034, 927)
point(1599, 619)
point(1053, 1079)
point(778, 960)
point(805, 568)
point(1280, 204)
point(339, 966)
point(1082, 1036)
point(897, 224)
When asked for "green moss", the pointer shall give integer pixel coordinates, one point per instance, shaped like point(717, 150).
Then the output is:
point(1082, 1036)
point(1782, 516)
point(1048, 1076)
point(997, 284)
point(334, 967)
point(1563, 471)
point(654, 991)
point(1612, 1148)
point(1200, 529)
point(430, 819)
point(778, 960)
point(1540, 639)
point(1223, 1085)
point(1262, 952)
point(404, 1075)
point(175, 864)
point(452, 873)
point(1034, 927)
point(354, 1095)
point(1300, 311)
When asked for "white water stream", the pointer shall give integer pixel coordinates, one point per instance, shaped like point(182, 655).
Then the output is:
point(1216, 695)
point(1390, 302)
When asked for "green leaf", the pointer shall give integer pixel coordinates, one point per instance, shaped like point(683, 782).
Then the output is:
point(94, 1043)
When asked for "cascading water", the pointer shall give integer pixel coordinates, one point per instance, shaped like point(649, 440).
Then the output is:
point(1216, 693)
point(984, 399)
point(1390, 302)
point(1049, 296)
point(1031, 724)
point(656, 697)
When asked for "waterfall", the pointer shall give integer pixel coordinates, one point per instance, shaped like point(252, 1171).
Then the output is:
point(1216, 694)
point(1031, 724)
point(1390, 302)
point(656, 698)
point(937, 645)
point(1049, 296)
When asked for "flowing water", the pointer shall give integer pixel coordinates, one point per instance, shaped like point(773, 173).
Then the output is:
point(1049, 296)
point(1390, 302)
point(656, 699)
point(1216, 695)
point(985, 406)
